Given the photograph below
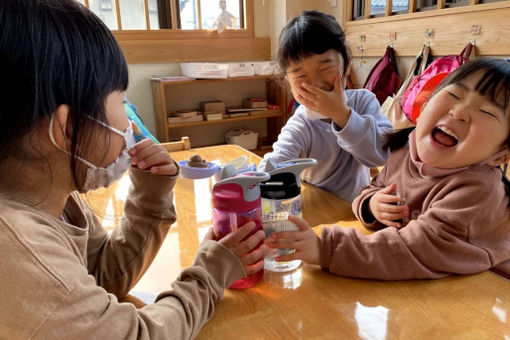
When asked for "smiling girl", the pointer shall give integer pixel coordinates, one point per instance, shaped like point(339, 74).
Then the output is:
point(453, 199)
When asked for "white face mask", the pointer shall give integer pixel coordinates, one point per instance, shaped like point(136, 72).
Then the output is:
point(102, 177)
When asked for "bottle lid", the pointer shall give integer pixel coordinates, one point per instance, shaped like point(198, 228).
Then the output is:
point(285, 181)
point(238, 193)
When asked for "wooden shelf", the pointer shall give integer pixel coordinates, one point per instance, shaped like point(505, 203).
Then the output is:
point(165, 100)
point(205, 81)
point(268, 114)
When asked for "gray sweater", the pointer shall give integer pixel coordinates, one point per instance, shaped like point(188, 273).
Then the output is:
point(343, 155)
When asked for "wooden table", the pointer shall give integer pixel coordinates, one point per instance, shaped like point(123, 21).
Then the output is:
point(309, 303)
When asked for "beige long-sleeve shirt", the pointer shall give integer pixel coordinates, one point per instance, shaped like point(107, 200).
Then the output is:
point(459, 224)
point(61, 280)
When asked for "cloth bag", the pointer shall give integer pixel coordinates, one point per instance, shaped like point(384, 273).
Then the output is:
point(447, 63)
point(383, 79)
point(391, 107)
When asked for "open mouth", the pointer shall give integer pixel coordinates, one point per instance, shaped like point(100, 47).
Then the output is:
point(444, 136)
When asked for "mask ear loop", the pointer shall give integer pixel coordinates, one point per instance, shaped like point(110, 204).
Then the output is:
point(52, 138)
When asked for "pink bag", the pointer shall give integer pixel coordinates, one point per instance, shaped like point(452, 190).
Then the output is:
point(447, 63)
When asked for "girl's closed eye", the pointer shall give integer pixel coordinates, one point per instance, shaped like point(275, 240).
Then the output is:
point(327, 68)
point(453, 94)
point(489, 113)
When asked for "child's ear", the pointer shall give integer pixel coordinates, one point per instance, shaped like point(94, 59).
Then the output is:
point(500, 160)
point(62, 127)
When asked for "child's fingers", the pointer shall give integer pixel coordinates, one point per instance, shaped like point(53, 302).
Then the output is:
point(306, 102)
point(386, 198)
point(284, 244)
point(306, 94)
point(389, 189)
point(287, 235)
point(336, 84)
point(391, 223)
point(249, 244)
point(254, 268)
point(253, 256)
point(140, 146)
point(167, 169)
point(301, 223)
point(392, 208)
point(313, 89)
point(158, 158)
point(234, 238)
point(391, 216)
point(288, 257)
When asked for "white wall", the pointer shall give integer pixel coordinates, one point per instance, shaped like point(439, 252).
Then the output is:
point(140, 93)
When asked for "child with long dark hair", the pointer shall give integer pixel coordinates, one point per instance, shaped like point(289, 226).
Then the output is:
point(64, 130)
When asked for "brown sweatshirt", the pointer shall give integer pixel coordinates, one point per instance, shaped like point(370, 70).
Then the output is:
point(61, 281)
point(459, 224)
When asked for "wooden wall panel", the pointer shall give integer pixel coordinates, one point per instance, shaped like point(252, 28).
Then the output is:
point(452, 31)
point(180, 50)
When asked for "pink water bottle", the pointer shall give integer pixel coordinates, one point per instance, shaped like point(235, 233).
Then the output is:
point(236, 201)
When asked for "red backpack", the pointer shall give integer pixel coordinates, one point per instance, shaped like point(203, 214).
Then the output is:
point(448, 63)
point(383, 79)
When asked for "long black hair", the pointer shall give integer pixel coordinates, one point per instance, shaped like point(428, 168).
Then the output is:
point(495, 83)
point(55, 52)
point(311, 32)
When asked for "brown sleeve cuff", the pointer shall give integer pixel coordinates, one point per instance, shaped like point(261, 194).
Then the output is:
point(326, 245)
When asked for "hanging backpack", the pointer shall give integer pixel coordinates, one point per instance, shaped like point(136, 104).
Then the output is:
point(447, 63)
point(383, 79)
point(391, 107)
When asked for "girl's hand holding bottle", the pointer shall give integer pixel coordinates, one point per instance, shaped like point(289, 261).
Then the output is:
point(246, 250)
point(305, 242)
point(147, 155)
point(329, 103)
point(384, 206)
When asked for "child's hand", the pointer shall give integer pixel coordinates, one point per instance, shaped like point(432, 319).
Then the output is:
point(251, 256)
point(147, 155)
point(306, 243)
point(384, 208)
point(329, 103)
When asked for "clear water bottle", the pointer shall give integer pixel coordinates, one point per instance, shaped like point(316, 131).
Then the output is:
point(281, 197)
point(236, 201)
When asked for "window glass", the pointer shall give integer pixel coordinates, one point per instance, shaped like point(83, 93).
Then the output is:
point(400, 6)
point(220, 12)
point(132, 14)
point(105, 9)
point(153, 14)
point(188, 14)
point(377, 7)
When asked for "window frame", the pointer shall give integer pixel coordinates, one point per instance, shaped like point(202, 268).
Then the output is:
point(247, 16)
point(177, 45)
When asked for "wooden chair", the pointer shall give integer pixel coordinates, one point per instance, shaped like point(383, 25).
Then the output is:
point(183, 144)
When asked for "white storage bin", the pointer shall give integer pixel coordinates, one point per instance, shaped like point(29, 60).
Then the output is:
point(240, 70)
point(245, 138)
point(264, 68)
point(205, 70)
